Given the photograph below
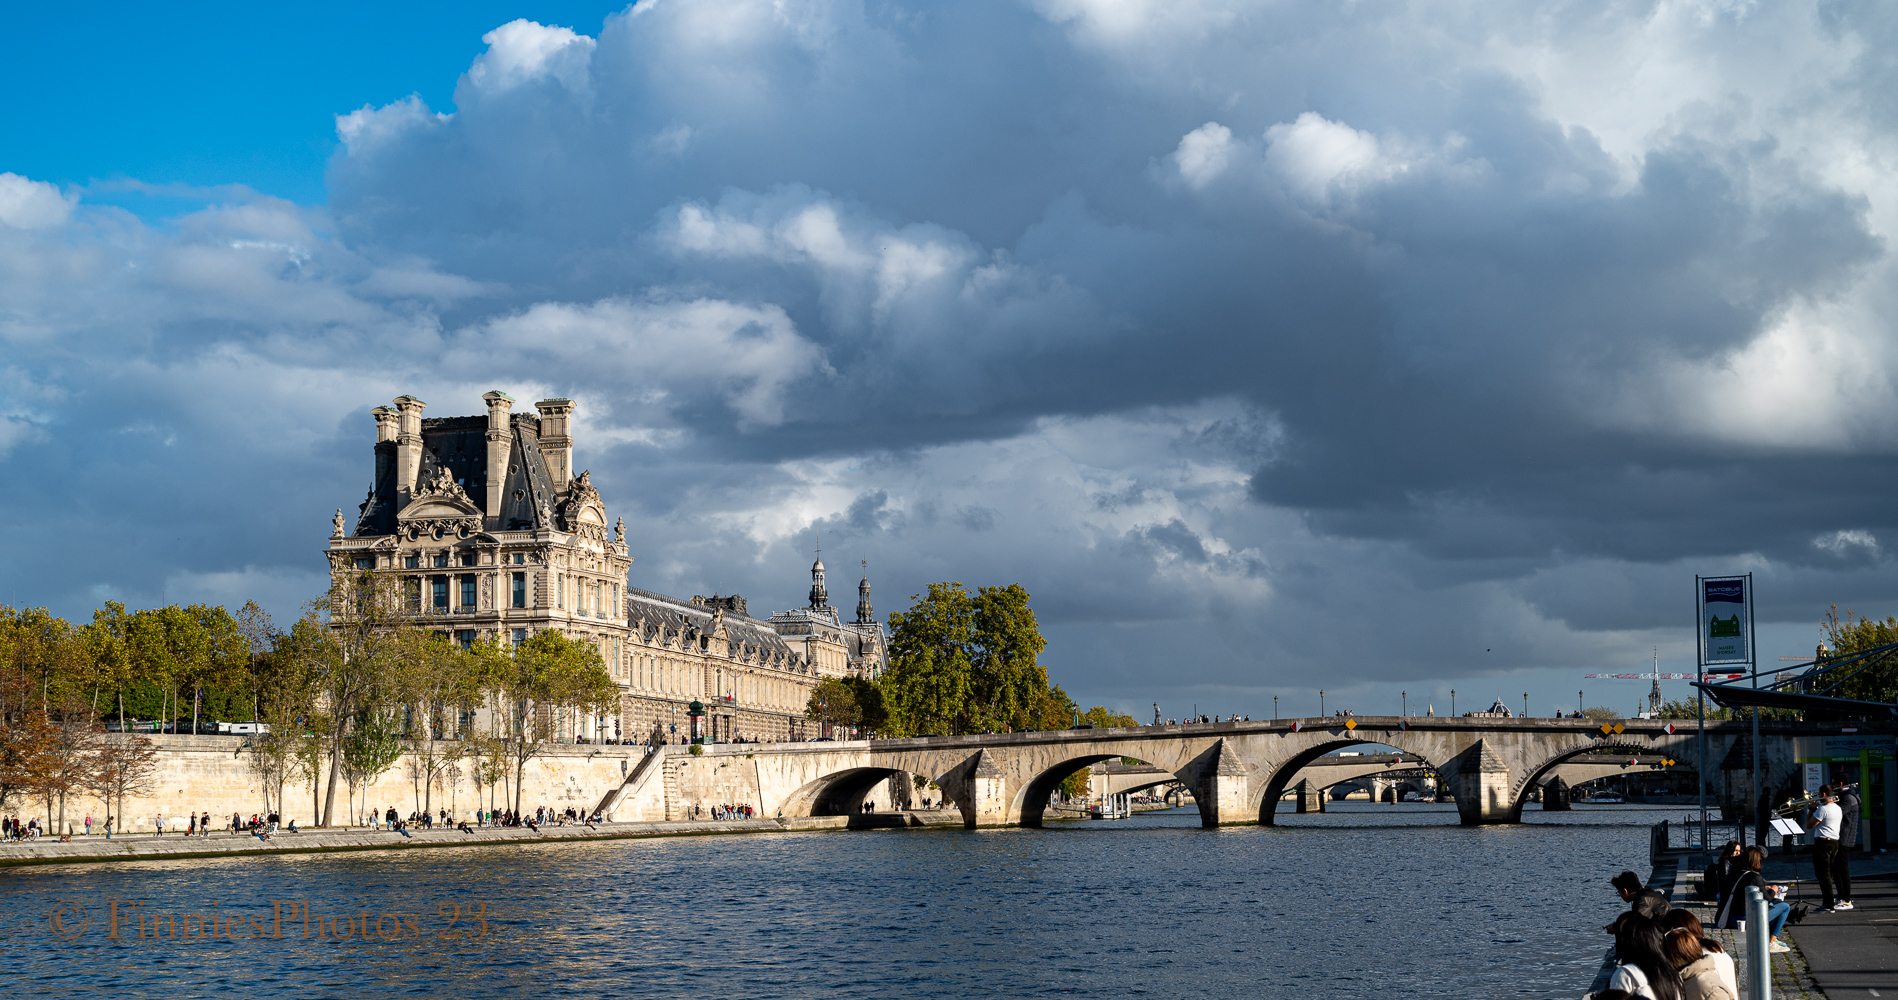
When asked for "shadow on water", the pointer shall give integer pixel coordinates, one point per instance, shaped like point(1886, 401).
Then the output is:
point(1365, 899)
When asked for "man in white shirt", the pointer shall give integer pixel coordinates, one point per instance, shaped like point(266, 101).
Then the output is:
point(1825, 848)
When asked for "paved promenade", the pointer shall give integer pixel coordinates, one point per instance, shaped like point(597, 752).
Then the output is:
point(132, 848)
point(1853, 954)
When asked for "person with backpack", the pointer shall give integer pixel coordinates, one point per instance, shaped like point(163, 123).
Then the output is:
point(1734, 911)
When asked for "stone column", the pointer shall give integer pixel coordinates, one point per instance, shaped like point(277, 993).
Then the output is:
point(1311, 798)
point(1480, 781)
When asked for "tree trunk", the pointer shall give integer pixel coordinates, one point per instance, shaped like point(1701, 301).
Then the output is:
point(336, 765)
point(197, 701)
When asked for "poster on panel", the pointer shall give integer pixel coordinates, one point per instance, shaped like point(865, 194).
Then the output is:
point(1725, 615)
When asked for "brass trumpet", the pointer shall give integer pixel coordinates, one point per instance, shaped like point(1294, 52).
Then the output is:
point(1811, 800)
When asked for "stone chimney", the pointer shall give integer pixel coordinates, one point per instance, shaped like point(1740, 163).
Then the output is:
point(500, 445)
point(385, 451)
point(556, 442)
point(408, 446)
point(385, 423)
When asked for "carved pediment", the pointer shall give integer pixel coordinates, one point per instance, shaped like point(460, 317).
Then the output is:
point(439, 507)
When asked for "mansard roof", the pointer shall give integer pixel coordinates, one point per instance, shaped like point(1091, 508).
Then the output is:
point(529, 496)
point(673, 618)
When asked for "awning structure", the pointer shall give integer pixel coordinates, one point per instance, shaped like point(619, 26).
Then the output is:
point(1807, 687)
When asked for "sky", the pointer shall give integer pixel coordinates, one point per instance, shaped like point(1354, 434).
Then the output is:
point(1380, 349)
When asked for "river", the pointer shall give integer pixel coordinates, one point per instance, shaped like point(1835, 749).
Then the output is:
point(1364, 901)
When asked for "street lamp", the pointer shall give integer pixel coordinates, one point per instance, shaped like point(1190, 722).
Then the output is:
point(1275, 708)
point(1453, 703)
point(1525, 704)
point(1406, 702)
point(1578, 704)
point(1321, 702)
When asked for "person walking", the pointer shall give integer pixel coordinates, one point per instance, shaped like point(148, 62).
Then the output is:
point(108, 826)
point(158, 824)
point(1824, 824)
point(88, 824)
point(204, 826)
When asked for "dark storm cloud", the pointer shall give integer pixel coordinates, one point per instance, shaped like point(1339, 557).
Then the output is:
point(1475, 329)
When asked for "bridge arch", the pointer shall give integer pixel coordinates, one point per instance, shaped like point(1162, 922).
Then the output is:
point(840, 793)
point(1031, 803)
point(1529, 782)
point(1281, 778)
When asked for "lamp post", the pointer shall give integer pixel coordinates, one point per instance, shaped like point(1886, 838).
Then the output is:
point(1321, 701)
point(1405, 695)
point(1453, 703)
point(1578, 704)
point(1525, 704)
point(1275, 708)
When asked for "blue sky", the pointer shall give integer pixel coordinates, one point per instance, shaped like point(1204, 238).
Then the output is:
point(1272, 346)
point(220, 94)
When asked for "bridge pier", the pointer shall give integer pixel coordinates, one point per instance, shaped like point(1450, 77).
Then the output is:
point(1555, 795)
point(1221, 791)
point(1311, 798)
point(1480, 781)
point(979, 788)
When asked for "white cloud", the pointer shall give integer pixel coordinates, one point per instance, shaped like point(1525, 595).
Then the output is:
point(31, 204)
point(1203, 154)
point(1315, 156)
point(521, 51)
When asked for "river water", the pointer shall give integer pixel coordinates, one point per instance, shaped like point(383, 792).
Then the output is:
point(1364, 901)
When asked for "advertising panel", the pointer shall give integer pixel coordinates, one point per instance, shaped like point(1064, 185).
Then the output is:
point(1726, 618)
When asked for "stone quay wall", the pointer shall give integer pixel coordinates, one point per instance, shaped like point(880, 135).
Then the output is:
point(200, 774)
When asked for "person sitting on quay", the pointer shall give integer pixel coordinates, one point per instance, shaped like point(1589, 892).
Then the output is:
point(1684, 920)
point(1734, 911)
point(1700, 975)
point(1642, 967)
point(464, 828)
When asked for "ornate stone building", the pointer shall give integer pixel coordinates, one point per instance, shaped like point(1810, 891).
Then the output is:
point(491, 536)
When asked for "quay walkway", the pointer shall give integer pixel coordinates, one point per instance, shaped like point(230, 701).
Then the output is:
point(1836, 956)
point(137, 847)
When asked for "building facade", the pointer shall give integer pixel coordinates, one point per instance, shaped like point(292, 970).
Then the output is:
point(491, 536)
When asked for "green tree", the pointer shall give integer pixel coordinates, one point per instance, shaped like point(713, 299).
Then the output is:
point(371, 747)
point(962, 662)
point(833, 703)
point(1100, 718)
point(436, 682)
point(1851, 634)
point(544, 675)
point(873, 716)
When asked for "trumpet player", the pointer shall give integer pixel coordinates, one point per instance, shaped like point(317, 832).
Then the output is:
point(1829, 862)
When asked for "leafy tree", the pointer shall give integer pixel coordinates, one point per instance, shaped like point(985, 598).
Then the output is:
point(1100, 718)
point(1688, 708)
point(126, 765)
point(1075, 785)
point(547, 673)
point(1852, 634)
point(962, 662)
point(873, 715)
point(371, 747)
point(352, 657)
point(833, 703)
point(1601, 713)
point(436, 682)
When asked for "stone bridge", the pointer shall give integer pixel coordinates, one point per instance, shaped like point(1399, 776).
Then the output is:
point(1237, 771)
